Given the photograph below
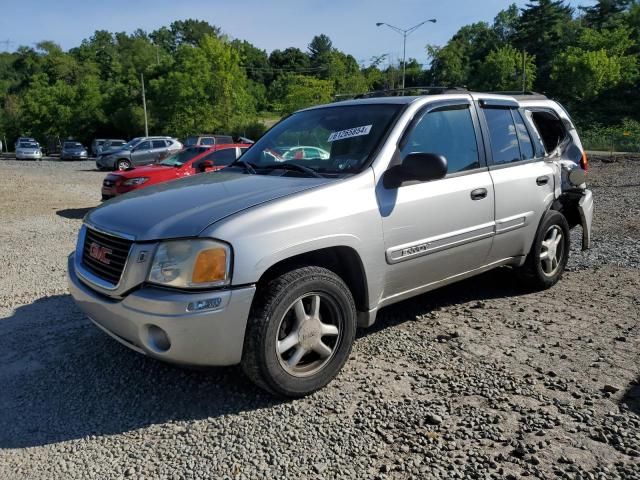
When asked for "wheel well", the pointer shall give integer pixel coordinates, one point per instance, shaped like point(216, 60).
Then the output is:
point(343, 261)
point(567, 204)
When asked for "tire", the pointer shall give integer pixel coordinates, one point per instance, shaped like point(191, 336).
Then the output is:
point(123, 164)
point(541, 274)
point(274, 324)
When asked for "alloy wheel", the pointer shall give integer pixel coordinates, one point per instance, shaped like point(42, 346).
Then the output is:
point(309, 334)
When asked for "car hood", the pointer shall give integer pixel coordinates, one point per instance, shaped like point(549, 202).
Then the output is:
point(185, 207)
point(148, 171)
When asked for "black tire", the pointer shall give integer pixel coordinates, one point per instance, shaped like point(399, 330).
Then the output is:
point(123, 164)
point(532, 272)
point(261, 361)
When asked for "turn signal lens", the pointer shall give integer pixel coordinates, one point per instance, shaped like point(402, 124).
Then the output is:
point(210, 266)
point(584, 162)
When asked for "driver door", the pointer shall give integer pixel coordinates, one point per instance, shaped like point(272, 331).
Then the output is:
point(442, 228)
point(142, 154)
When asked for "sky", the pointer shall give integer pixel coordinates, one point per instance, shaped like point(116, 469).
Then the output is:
point(269, 25)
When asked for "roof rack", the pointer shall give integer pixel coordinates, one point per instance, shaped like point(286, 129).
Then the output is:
point(400, 92)
point(525, 95)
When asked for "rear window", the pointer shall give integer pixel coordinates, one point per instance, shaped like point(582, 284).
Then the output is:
point(502, 132)
point(550, 127)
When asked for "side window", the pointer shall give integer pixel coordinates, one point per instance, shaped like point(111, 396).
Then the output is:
point(222, 157)
point(526, 146)
point(207, 141)
point(144, 146)
point(448, 132)
point(159, 144)
point(502, 131)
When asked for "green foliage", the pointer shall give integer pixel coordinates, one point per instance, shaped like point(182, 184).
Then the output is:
point(300, 91)
point(502, 70)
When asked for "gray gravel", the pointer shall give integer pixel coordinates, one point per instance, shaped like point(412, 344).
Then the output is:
point(479, 380)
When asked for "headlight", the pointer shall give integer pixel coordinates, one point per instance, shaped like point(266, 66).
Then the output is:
point(135, 181)
point(196, 263)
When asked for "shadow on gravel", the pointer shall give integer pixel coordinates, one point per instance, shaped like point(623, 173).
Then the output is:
point(74, 213)
point(498, 283)
point(632, 397)
point(62, 379)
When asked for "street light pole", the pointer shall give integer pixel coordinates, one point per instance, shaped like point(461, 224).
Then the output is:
point(405, 33)
point(144, 106)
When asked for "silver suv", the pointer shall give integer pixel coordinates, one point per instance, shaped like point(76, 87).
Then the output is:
point(139, 151)
point(273, 263)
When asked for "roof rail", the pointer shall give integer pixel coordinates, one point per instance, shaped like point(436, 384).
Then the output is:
point(529, 95)
point(400, 92)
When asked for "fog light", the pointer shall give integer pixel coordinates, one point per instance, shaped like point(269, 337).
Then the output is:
point(158, 339)
point(206, 304)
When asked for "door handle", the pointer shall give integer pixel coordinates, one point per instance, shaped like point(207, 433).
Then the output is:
point(478, 193)
point(542, 180)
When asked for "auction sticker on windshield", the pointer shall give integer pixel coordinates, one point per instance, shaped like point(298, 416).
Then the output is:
point(349, 133)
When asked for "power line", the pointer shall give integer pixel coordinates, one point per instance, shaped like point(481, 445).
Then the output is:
point(273, 69)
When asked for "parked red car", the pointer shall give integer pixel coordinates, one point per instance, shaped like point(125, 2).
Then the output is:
point(189, 161)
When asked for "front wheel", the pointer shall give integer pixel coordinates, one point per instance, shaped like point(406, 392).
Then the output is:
point(123, 164)
point(300, 332)
point(549, 253)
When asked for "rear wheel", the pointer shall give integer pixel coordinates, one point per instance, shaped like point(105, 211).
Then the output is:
point(300, 332)
point(123, 164)
point(549, 253)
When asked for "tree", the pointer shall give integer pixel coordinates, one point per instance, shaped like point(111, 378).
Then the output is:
point(289, 60)
point(502, 70)
point(300, 91)
point(320, 52)
point(605, 12)
point(505, 24)
point(540, 32)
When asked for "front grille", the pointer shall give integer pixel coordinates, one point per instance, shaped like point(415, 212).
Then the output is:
point(114, 250)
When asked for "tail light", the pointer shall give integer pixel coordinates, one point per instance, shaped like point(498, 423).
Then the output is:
point(584, 162)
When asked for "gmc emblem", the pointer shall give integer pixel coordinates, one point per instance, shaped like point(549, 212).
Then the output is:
point(99, 253)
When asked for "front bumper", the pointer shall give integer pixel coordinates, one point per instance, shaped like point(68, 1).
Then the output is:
point(208, 338)
point(25, 156)
point(105, 162)
point(585, 208)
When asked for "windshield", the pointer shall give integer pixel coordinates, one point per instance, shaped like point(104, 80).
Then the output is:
point(183, 156)
point(331, 140)
point(191, 141)
point(132, 143)
point(72, 145)
point(28, 145)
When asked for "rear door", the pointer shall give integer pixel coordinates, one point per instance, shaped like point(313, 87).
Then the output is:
point(160, 149)
point(523, 181)
point(438, 229)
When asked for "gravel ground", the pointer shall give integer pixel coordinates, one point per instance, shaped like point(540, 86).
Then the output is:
point(479, 380)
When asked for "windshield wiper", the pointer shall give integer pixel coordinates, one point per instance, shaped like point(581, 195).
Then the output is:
point(248, 166)
point(292, 166)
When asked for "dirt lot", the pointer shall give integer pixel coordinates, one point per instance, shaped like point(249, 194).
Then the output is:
point(480, 380)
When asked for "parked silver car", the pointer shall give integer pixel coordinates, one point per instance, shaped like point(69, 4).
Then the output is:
point(138, 151)
point(73, 151)
point(110, 145)
point(28, 149)
point(273, 265)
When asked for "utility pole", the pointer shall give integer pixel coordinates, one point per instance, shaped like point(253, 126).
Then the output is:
point(524, 71)
point(405, 33)
point(144, 106)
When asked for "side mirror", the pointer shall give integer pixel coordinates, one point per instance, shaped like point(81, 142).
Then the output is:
point(204, 165)
point(416, 167)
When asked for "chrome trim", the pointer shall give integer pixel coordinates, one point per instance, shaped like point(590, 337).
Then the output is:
point(514, 222)
point(124, 236)
point(88, 277)
point(427, 246)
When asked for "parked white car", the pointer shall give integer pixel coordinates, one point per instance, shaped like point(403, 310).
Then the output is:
point(28, 150)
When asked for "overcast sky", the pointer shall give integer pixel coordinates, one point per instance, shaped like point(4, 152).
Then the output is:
point(267, 24)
